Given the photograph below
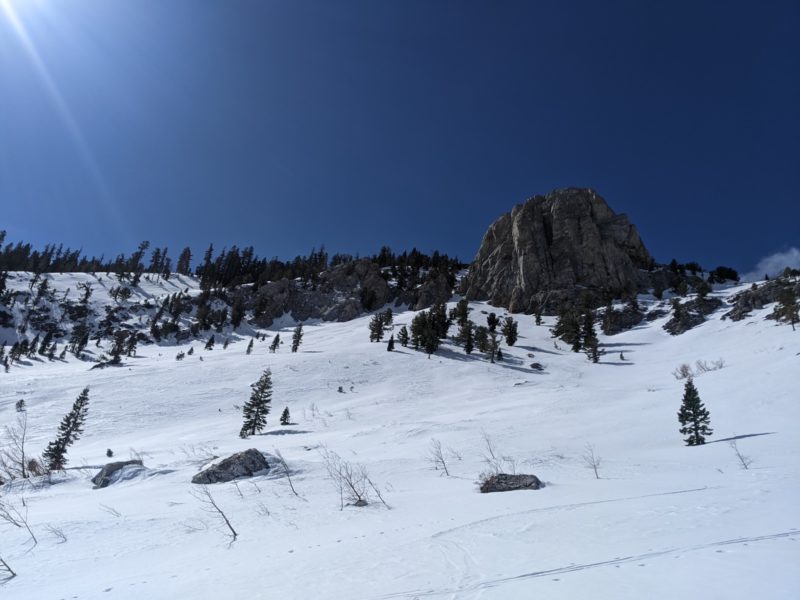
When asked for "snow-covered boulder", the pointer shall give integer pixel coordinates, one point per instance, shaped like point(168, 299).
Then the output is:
point(241, 464)
point(117, 471)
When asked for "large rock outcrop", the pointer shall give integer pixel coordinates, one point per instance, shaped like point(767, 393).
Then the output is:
point(241, 464)
point(555, 247)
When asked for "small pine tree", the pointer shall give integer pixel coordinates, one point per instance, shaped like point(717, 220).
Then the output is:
point(225, 344)
point(589, 337)
point(68, 432)
point(402, 336)
point(509, 331)
point(492, 346)
point(390, 345)
point(376, 328)
point(276, 341)
point(387, 317)
point(191, 350)
point(256, 409)
point(466, 336)
point(210, 343)
point(249, 347)
point(499, 355)
point(297, 337)
point(285, 418)
point(481, 338)
point(788, 308)
point(693, 416)
point(492, 322)
point(538, 317)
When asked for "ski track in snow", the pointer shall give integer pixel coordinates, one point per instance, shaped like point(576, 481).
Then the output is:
point(583, 567)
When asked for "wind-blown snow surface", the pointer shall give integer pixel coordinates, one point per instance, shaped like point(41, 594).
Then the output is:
point(663, 521)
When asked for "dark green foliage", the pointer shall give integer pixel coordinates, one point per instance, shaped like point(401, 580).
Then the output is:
point(589, 337)
point(425, 330)
point(237, 311)
point(184, 262)
point(538, 317)
point(285, 417)
point(249, 347)
point(723, 274)
point(693, 416)
point(297, 337)
point(568, 327)
point(492, 321)
point(276, 342)
point(466, 336)
point(703, 289)
point(210, 343)
point(787, 309)
point(191, 350)
point(499, 357)
point(387, 317)
point(70, 430)
point(376, 328)
point(481, 338)
point(509, 331)
point(256, 409)
point(439, 320)
point(402, 336)
point(390, 345)
point(460, 314)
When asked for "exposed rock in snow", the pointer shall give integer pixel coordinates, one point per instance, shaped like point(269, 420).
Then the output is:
point(241, 464)
point(503, 482)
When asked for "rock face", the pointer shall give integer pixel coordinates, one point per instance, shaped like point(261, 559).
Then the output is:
point(551, 247)
point(241, 464)
point(503, 482)
point(117, 471)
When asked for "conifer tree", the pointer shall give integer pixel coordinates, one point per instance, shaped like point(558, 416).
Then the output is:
point(402, 336)
point(276, 341)
point(466, 336)
point(376, 328)
point(225, 344)
point(297, 337)
point(492, 321)
point(68, 432)
point(390, 345)
point(787, 309)
point(249, 347)
point(285, 418)
point(509, 331)
point(387, 317)
point(538, 317)
point(499, 355)
point(256, 409)
point(210, 343)
point(693, 416)
point(492, 346)
point(481, 338)
point(589, 337)
point(191, 350)
point(568, 328)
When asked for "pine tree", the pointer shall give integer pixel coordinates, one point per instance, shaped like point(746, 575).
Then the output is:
point(184, 262)
point(249, 347)
point(402, 336)
point(492, 345)
point(376, 328)
point(256, 409)
point(492, 322)
point(68, 432)
point(387, 317)
point(297, 337)
point(693, 416)
point(225, 344)
point(568, 328)
point(481, 338)
point(276, 341)
point(191, 350)
point(787, 309)
point(466, 336)
point(390, 345)
point(285, 418)
point(509, 331)
point(210, 343)
point(499, 355)
point(589, 337)
point(460, 313)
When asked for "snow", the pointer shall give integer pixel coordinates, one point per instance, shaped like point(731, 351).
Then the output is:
point(663, 521)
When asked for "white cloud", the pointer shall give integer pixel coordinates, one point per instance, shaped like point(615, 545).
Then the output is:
point(773, 264)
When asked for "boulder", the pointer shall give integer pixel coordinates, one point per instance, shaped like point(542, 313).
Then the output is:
point(503, 482)
point(117, 471)
point(241, 464)
point(552, 248)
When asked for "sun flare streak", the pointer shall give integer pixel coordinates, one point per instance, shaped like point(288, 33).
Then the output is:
point(7, 9)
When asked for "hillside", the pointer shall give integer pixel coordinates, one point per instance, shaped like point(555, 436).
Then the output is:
point(662, 521)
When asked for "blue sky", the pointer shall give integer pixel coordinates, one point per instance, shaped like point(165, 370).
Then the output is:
point(287, 125)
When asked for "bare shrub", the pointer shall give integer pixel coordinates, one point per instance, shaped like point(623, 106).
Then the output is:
point(56, 532)
point(13, 460)
point(591, 459)
point(745, 461)
point(13, 516)
point(436, 456)
point(350, 480)
point(496, 462)
point(286, 471)
point(705, 367)
point(210, 506)
point(6, 573)
point(683, 371)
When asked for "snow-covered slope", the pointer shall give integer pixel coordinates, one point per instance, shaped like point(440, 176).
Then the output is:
point(663, 521)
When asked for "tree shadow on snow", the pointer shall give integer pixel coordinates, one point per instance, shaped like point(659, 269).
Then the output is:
point(535, 349)
point(284, 432)
point(739, 437)
point(618, 344)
